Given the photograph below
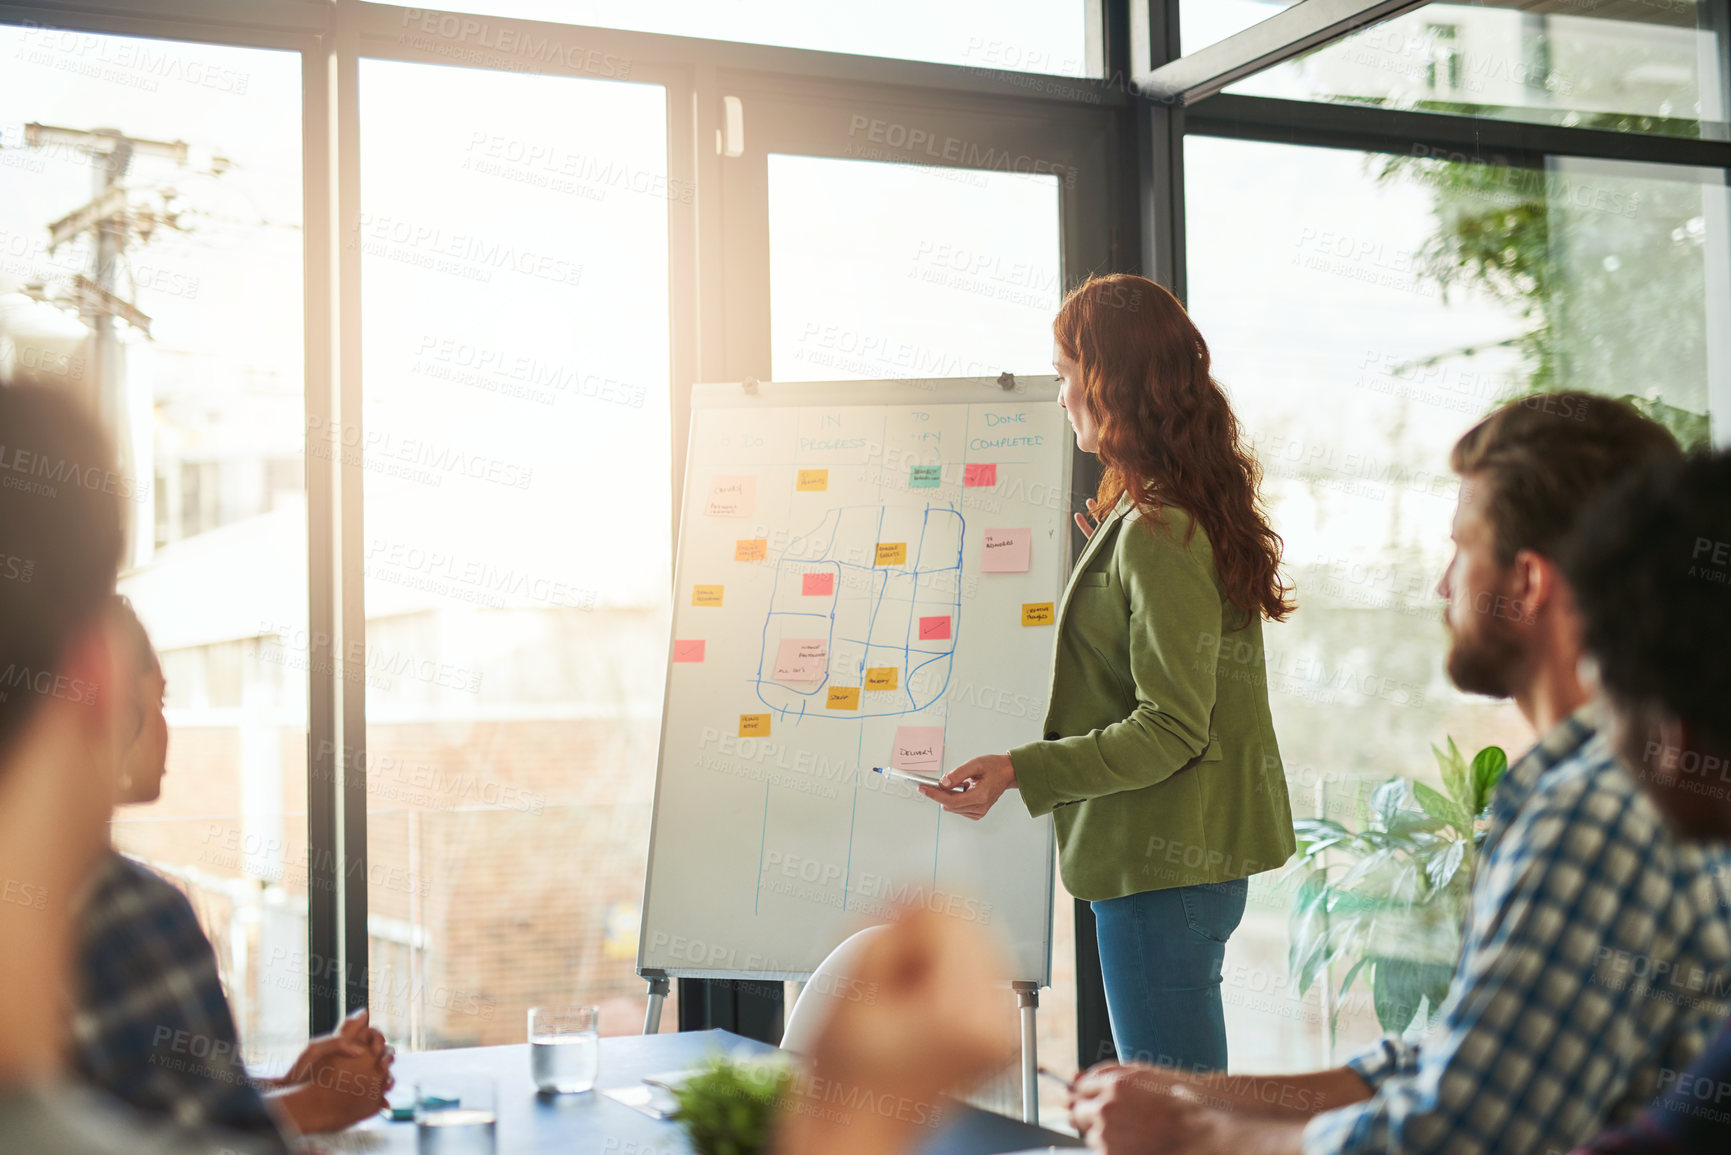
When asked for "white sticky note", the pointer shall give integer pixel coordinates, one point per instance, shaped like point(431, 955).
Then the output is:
point(1005, 551)
point(802, 660)
point(919, 748)
point(732, 496)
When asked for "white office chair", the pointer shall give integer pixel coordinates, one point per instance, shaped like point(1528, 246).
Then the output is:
point(831, 981)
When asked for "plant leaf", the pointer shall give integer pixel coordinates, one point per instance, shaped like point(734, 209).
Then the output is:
point(1386, 800)
point(1444, 809)
point(1442, 866)
point(1455, 778)
point(1400, 986)
point(1489, 766)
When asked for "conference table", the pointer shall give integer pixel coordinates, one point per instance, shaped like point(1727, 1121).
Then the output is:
point(531, 1123)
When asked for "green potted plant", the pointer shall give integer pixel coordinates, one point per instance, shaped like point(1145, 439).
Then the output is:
point(728, 1107)
point(1389, 900)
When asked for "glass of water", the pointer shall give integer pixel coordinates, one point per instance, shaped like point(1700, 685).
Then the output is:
point(456, 1113)
point(564, 1047)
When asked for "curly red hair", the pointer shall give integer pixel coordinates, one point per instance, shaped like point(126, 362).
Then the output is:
point(1168, 436)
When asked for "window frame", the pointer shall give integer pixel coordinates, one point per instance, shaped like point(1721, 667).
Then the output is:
point(1141, 230)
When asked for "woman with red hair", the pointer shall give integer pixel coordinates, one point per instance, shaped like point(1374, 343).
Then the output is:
point(1159, 764)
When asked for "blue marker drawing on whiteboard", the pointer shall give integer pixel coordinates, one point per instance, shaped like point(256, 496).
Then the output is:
point(894, 573)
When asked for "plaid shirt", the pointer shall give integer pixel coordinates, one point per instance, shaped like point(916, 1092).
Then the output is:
point(1596, 955)
point(151, 1025)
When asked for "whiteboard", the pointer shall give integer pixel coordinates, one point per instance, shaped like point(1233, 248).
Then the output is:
point(837, 607)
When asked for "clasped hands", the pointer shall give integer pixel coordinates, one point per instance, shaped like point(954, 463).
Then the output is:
point(338, 1080)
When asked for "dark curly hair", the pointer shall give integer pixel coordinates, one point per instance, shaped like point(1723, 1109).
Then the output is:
point(1167, 434)
point(1650, 564)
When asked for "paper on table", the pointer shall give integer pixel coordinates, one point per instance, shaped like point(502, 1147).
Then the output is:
point(802, 660)
point(920, 749)
point(1005, 551)
point(732, 496)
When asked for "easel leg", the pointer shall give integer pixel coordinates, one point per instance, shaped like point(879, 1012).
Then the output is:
point(1028, 996)
point(658, 988)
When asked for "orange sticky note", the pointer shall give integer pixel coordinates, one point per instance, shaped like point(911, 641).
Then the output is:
point(751, 549)
point(892, 553)
point(1037, 613)
point(843, 698)
point(881, 677)
point(813, 480)
point(754, 725)
point(688, 651)
point(706, 595)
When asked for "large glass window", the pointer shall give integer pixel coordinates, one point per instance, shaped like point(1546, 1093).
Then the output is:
point(1383, 307)
point(1008, 35)
point(1608, 64)
point(893, 270)
point(517, 481)
point(150, 260)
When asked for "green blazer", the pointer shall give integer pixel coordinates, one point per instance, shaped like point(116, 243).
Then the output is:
point(1159, 765)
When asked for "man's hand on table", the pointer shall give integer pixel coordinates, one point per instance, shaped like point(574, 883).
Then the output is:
point(1129, 1109)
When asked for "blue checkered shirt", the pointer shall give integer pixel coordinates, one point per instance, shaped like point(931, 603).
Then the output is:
point(151, 1025)
point(1597, 954)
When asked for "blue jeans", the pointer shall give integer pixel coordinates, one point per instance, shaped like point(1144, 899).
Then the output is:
point(1161, 952)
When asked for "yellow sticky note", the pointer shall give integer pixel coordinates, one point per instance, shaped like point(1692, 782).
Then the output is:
point(706, 595)
point(813, 480)
point(1036, 613)
point(754, 725)
point(843, 698)
point(892, 553)
point(751, 549)
point(881, 677)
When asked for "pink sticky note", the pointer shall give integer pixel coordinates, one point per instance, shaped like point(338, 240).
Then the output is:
point(802, 660)
point(691, 651)
point(980, 474)
point(818, 585)
point(933, 629)
point(1005, 551)
point(919, 748)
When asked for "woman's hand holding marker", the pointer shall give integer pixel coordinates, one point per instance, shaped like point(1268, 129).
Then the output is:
point(986, 779)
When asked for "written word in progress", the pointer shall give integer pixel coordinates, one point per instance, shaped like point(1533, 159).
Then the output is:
point(868, 627)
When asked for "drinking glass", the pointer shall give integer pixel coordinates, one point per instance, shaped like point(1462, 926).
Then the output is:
point(564, 1047)
point(456, 1113)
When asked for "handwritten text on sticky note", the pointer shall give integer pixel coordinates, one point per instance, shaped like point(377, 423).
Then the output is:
point(1005, 551)
point(751, 549)
point(732, 496)
point(706, 595)
point(919, 748)
point(813, 481)
point(1036, 613)
point(802, 660)
point(892, 553)
point(925, 476)
point(688, 651)
point(843, 698)
point(933, 629)
point(881, 677)
point(753, 725)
